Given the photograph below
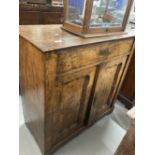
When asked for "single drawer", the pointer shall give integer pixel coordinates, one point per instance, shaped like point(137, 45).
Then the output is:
point(76, 57)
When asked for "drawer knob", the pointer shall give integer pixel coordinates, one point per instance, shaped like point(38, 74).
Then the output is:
point(104, 51)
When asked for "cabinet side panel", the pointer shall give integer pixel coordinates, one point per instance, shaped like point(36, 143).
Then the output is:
point(32, 89)
point(50, 74)
point(125, 71)
point(127, 91)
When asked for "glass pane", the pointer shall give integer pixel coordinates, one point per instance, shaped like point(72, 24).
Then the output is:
point(76, 10)
point(108, 13)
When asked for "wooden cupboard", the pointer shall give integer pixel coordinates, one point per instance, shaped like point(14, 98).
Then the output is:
point(67, 82)
point(89, 18)
point(36, 13)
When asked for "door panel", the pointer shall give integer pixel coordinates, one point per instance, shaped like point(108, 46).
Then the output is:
point(71, 101)
point(104, 87)
point(107, 81)
point(71, 96)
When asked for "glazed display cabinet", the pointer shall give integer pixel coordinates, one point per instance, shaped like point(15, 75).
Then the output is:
point(89, 18)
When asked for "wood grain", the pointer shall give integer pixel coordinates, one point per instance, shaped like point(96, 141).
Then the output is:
point(32, 89)
point(78, 57)
point(69, 87)
point(43, 38)
point(86, 30)
point(69, 104)
point(127, 91)
point(36, 13)
point(106, 82)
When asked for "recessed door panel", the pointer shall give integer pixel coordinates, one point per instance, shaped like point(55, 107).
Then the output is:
point(104, 87)
point(72, 93)
point(107, 81)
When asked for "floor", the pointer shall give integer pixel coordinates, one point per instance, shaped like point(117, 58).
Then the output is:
point(102, 138)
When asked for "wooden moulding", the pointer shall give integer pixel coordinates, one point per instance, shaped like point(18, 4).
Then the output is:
point(72, 27)
point(92, 35)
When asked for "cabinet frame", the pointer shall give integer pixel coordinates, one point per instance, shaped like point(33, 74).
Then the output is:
point(40, 76)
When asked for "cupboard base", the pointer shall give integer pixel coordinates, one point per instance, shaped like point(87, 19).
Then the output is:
point(62, 143)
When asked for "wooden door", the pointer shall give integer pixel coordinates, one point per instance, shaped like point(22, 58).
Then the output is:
point(71, 97)
point(105, 88)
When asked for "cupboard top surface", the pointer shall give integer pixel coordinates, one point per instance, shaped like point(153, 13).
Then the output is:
point(51, 37)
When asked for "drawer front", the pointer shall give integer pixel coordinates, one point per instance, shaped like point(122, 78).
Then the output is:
point(81, 56)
